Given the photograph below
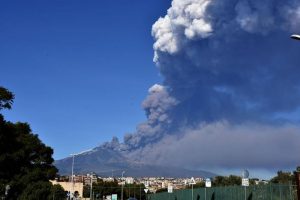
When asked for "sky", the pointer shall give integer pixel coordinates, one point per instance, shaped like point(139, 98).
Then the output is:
point(219, 78)
point(79, 71)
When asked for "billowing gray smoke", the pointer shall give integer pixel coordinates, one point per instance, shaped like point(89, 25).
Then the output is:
point(230, 59)
point(157, 106)
point(231, 86)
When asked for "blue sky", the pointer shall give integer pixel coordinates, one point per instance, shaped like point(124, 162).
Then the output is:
point(79, 70)
point(228, 76)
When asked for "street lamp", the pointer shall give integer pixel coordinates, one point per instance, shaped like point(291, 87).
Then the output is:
point(295, 37)
point(122, 185)
point(72, 178)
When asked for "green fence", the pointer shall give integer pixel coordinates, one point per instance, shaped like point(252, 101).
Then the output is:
point(263, 192)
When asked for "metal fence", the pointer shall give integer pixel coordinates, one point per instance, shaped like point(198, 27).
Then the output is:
point(261, 192)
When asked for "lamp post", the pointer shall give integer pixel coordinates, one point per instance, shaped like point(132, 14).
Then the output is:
point(72, 178)
point(297, 174)
point(122, 185)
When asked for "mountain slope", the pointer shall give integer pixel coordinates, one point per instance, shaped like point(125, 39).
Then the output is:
point(107, 162)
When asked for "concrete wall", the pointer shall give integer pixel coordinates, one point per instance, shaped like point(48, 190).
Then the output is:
point(68, 186)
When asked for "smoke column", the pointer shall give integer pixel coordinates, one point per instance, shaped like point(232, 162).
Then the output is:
point(231, 91)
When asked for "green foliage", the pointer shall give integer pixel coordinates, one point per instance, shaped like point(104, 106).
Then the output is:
point(6, 98)
point(161, 190)
point(102, 188)
point(58, 193)
point(227, 181)
point(86, 191)
point(220, 181)
point(197, 185)
point(283, 178)
point(26, 164)
point(24, 159)
point(43, 190)
point(34, 190)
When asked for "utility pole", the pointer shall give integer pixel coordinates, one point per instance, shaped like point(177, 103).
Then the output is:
point(297, 173)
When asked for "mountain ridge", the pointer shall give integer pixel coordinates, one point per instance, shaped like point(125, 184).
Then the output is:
point(111, 162)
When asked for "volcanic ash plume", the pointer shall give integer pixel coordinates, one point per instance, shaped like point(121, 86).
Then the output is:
point(157, 106)
point(231, 84)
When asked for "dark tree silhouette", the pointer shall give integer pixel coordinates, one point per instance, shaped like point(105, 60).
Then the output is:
point(26, 164)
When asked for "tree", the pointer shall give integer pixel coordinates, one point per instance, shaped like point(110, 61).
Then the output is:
point(234, 180)
point(38, 190)
point(227, 181)
point(26, 164)
point(43, 190)
point(107, 188)
point(219, 181)
point(6, 98)
point(58, 192)
point(161, 190)
point(197, 185)
point(283, 178)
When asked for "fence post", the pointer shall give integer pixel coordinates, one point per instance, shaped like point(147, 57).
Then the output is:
point(271, 191)
point(280, 191)
point(290, 188)
point(297, 176)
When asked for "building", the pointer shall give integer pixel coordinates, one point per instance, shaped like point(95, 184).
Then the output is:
point(129, 180)
point(68, 186)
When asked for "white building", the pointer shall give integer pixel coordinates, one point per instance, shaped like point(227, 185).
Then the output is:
point(129, 180)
